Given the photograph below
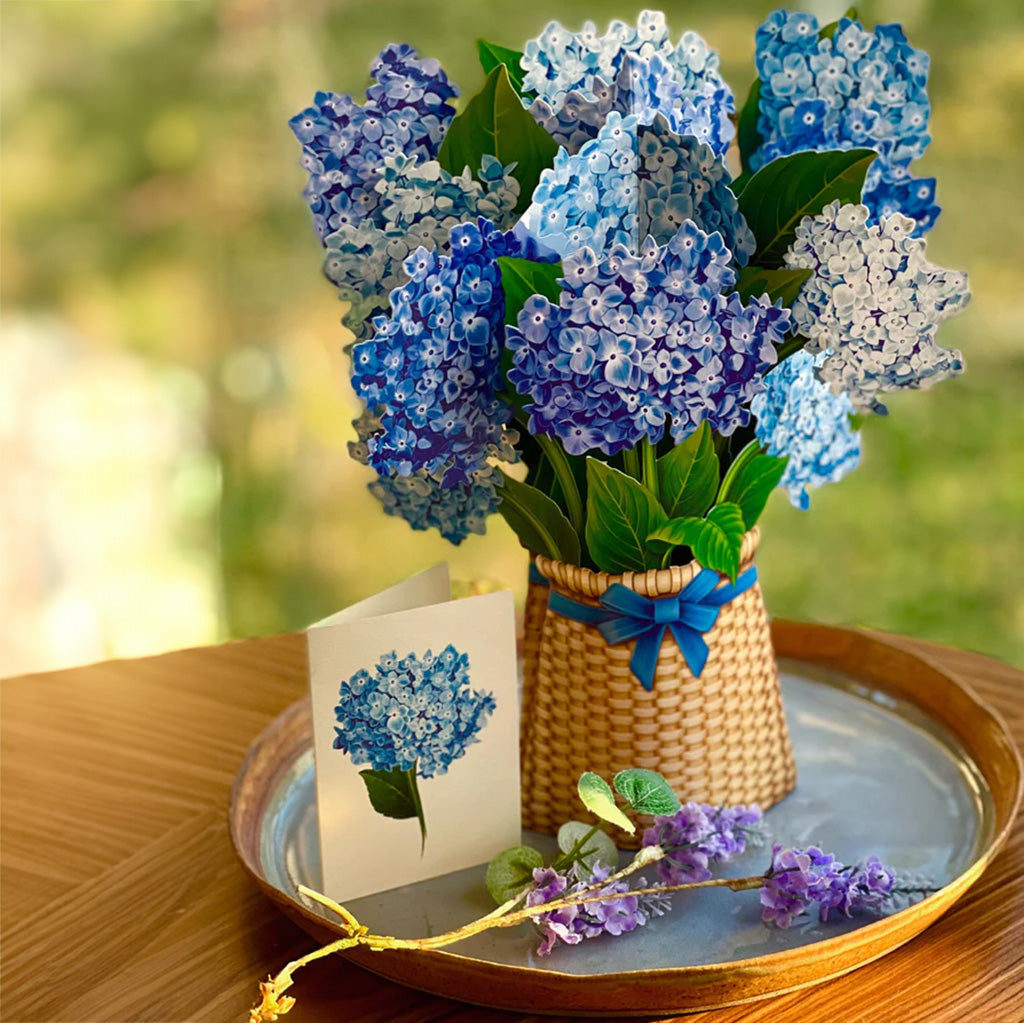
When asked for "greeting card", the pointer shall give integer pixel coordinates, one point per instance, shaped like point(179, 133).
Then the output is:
point(415, 722)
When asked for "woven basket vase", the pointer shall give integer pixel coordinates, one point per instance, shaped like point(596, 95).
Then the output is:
point(720, 738)
point(533, 625)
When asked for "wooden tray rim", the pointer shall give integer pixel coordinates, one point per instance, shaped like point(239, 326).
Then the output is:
point(867, 658)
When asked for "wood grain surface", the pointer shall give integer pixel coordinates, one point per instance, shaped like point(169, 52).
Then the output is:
point(121, 898)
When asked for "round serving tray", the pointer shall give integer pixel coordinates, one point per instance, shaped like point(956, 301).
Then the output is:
point(894, 758)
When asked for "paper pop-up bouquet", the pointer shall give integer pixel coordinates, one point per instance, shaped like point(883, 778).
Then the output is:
point(568, 311)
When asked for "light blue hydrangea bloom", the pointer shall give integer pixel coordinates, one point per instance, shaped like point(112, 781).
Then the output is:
point(799, 418)
point(851, 89)
point(455, 511)
point(579, 78)
point(420, 204)
point(632, 181)
point(411, 712)
point(432, 370)
point(873, 302)
point(638, 341)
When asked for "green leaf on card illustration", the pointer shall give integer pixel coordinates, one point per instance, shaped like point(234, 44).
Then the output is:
point(396, 794)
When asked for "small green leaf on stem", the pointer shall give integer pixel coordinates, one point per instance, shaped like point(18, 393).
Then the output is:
point(646, 791)
point(599, 799)
point(510, 871)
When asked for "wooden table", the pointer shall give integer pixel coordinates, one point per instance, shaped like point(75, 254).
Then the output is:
point(122, 899)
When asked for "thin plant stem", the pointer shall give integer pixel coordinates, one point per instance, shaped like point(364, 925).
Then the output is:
point(559, 462)
point(631, 462)
point(649, 457)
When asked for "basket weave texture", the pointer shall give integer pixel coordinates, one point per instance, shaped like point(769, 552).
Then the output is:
point(533, 623)
point(720, 738)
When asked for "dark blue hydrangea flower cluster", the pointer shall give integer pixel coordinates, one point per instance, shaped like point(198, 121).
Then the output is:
point(799, 418)
point(638, 340)
point(799, 878)
point(632, 181)
point(411, 712)
point(579, 78)
point(344, 144)
point(376, 190)
point(850, 89)
point(432, 370)
point(454, 511)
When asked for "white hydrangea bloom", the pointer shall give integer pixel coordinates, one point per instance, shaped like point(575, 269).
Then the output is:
point(875, 301)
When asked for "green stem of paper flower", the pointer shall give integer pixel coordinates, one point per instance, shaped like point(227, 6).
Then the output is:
point(649, 467)
point(559, 462)
point(414, 793)
point(576, 852)
point(631, 463)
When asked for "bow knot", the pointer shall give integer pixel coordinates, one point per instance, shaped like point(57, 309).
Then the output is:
point(625, 615)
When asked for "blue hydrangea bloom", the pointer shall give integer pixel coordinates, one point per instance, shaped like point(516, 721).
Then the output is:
point(873, 302)
point(799, 418)
point(344, 144)
point(579, 78)
point(455, 511)
point(432, 370)
point(632, 181)
point(638, 340)
point(411, 712)
point(852, 89)
point(419, 205)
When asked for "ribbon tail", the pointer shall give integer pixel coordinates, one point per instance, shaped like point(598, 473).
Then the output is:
point(645, 655)
point(693, 647)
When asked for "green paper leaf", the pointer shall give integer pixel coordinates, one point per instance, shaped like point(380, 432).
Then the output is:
point(753, 484)
point(719, 544)
point(776, 283)
point(510, 871)
point(599, 799)
point(621, 514)
point(396, 794)
point(496, 122)
point(688, 475)
point(598, 848)
point(747, 135)
point(491, 55)
point(646, 791)
point(538, 522)
point(523, 278)
point(790, 188)
point(715, 540)
point(390, 793)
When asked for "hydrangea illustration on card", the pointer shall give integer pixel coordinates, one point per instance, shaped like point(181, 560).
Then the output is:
point(408, 718)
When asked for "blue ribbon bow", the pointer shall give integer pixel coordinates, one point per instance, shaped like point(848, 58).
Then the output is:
point(625, 615)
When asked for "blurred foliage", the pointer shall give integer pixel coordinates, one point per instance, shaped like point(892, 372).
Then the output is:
point(151, 205)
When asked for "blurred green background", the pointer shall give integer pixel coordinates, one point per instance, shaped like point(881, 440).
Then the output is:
point(175, 406)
